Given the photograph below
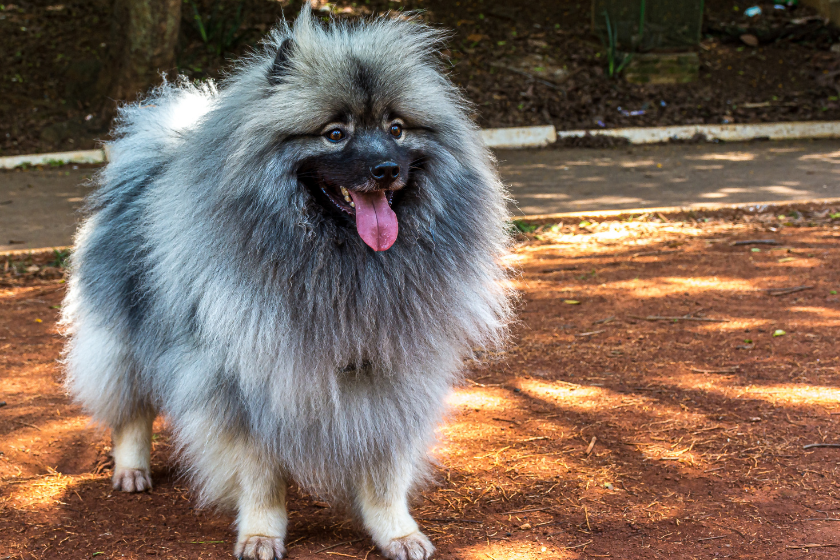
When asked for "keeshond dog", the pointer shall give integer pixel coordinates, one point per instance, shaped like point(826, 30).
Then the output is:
point(292, 269)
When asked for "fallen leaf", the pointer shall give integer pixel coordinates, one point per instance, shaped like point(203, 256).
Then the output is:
point(779, 332)
point(571, 301)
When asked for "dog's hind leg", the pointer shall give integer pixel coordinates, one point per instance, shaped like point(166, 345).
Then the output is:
point(103, 377)
point(132, 447)
point(382, 503)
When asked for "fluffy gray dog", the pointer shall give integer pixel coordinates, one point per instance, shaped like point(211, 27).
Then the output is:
point(292, 269)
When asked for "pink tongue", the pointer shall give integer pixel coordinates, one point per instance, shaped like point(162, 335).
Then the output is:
point(375, 221)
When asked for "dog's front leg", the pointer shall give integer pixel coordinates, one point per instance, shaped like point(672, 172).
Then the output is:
point(262, 517)
point(382, 503)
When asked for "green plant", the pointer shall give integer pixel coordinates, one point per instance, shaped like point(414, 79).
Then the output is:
point(60, 258)
point(616, 61)
point(641, 34)
point(216, 30)
point(523, 227)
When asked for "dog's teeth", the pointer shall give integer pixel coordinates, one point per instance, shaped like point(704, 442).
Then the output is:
point(344, 192)
point(353, 204)
point(346, 198)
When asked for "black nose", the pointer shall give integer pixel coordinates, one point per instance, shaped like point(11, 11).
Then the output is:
point(385, 172)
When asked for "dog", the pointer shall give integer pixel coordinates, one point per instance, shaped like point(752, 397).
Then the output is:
point(292, 268)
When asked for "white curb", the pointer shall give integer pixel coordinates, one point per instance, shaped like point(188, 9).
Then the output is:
point(726, 132)
point(522, 137)
point(542, 136)
point(57, 158)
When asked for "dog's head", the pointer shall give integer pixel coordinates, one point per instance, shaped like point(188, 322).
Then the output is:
point(365, 110)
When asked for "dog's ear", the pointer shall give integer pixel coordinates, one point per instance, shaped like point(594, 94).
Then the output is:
point(280, 66)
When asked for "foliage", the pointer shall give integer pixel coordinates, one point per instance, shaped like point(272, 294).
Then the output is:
point(60, 258)
point(523, 227)
point(218, 31)
point(616, 60)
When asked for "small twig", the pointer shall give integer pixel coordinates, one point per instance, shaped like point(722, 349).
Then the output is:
point(336, 546)
point(590, 333)
point(812, 445)
point(577, 545)
point(288, 545)
point(524, 510)
point(711, 538)
point(25, 424)
point(652, 253)
point(756, 242)
point(609, 319)
point(786, 291)
point(680, 318)
point(523, 73)
point(731, 369)
point(812, 546)
point(591, 445)
point(821, 519)
point(450, 520)
point(561, 269)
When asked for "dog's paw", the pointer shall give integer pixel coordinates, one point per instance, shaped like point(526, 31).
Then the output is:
point(258, 547)
point(410, 547)
point(132, 480)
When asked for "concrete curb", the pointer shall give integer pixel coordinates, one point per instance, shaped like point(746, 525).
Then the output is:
point(56, 158)
point(725, 132)
point(521, 137)
point(36, 251)
point(542, 136)
point(747, 207)
point(516, 137)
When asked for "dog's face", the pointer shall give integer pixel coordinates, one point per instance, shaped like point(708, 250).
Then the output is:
point(364, 159)
point(363, 168)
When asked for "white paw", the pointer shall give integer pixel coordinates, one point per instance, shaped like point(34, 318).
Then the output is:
point(258, 547)
point(410, 547)
point(132, 480)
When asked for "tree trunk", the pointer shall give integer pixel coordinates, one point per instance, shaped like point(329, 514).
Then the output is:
point(144, 34)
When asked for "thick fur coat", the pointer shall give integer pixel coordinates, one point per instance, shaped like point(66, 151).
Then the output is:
point(208, 283)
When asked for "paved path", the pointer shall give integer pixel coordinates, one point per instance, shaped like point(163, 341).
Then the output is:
point(38, 208)
point(554, 181)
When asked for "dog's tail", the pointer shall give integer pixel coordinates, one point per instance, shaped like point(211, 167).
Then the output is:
point(147, 134)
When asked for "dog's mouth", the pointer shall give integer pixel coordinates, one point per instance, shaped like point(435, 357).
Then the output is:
point(342, 198)
point(370, 209)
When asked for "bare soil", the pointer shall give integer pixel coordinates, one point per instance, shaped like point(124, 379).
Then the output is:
point(521, 65)
point(649, 406)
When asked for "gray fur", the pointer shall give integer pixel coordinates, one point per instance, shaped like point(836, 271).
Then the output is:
point(206, 287)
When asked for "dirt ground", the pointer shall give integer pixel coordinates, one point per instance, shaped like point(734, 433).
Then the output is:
point(520, 66)
point(657, 400)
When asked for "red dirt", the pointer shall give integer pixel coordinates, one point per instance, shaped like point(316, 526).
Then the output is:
point(698, 434)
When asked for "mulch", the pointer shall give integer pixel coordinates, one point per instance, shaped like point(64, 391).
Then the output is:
point(520, 66)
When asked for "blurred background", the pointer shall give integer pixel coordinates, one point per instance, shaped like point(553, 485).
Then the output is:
point(575, 64)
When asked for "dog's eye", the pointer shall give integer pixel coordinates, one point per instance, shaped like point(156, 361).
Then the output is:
point(396, 130)
point(335, 135)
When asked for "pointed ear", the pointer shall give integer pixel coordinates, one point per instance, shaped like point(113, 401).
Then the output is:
point(280, 67)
